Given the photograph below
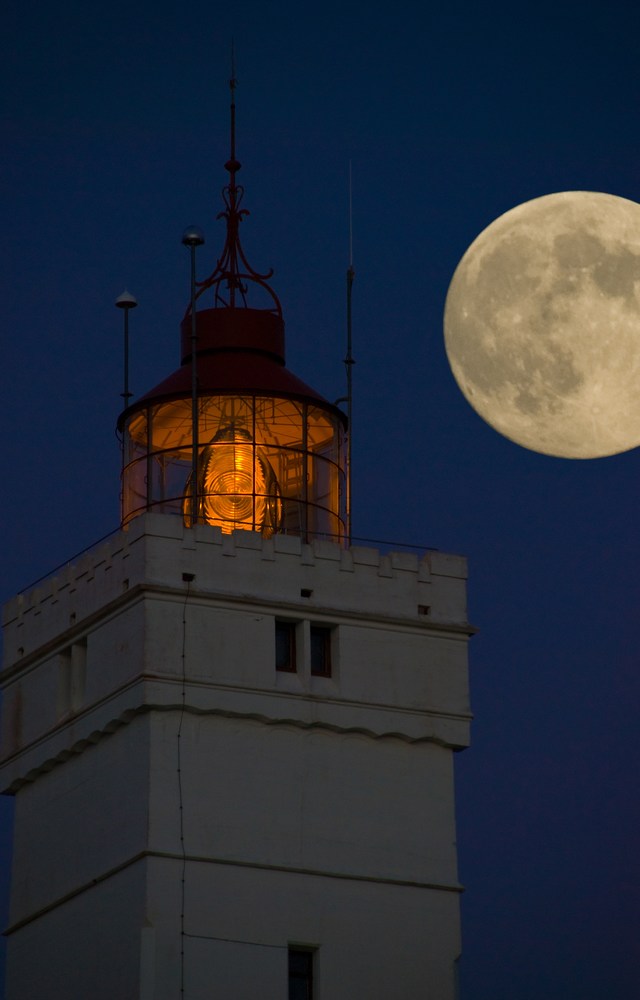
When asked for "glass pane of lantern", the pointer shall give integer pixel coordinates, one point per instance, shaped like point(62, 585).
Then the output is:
point(171, 425)
point(325, 479)
point(253, 470)
point(135, 487)
point(279, 421)
point(219, 413)
point(293, 517)
point(136, 433)
point(288, 466)
point(170, 471)
point(321, 429)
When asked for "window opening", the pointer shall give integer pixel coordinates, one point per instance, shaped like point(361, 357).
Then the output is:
point(286, 646)
point(320, 640)
point(300, 974)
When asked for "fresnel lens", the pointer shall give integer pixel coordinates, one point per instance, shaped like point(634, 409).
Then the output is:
point(237, 486)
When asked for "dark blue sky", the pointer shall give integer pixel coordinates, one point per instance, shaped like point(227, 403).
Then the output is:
point(115, 131)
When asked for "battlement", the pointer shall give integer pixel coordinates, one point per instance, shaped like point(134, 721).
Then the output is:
point(158, 551)
point(162, 615)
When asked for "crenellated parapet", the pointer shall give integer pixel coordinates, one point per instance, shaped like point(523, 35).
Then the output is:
point(162, 614)
point(157, 550)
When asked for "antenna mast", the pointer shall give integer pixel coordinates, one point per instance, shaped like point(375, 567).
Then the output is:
point(126, 302)
point(233, 166)
point(349, 361)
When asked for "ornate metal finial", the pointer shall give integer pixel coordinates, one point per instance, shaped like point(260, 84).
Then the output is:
point(232, 274)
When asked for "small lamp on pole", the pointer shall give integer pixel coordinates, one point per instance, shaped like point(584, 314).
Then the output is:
point(126, 302)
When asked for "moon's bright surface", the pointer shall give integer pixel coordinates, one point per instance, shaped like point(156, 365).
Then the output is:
point(542, 324)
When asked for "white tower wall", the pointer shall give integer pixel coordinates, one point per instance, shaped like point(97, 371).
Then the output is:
point(316, 811)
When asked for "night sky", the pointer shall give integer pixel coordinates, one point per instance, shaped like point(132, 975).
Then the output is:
point(115, 124)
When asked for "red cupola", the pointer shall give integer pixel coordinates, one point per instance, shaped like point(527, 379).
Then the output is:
point(232, 438)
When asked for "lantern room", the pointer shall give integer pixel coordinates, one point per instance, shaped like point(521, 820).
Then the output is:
point(232, 438)
point(270, 451)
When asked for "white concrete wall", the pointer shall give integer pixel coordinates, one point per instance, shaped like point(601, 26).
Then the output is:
point(316, 810)
point(374, 941)
point(80, 820)
point(89, 946)
point(123, 604)
point(282, 795)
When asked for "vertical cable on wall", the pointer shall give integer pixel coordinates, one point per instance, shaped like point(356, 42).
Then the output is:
point(187, 578)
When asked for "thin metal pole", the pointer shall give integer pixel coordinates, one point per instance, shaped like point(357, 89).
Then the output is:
point(126, 395)
point(126, 302)
point(192, 238)
point(305, 472)
point(349, 363)
point(194, 392)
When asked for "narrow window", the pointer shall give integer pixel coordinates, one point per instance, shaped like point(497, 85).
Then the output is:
point(72, 670)
point(300, 974)
point(320, 638)
point(286, 646)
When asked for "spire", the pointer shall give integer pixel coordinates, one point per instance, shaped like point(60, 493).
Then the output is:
point(233, 274)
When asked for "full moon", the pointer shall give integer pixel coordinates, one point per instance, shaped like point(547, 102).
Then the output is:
point(542, 324)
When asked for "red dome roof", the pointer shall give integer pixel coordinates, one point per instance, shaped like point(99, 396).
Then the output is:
point(239, 351)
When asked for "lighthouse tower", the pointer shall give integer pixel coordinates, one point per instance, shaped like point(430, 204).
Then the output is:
point(230, 733)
